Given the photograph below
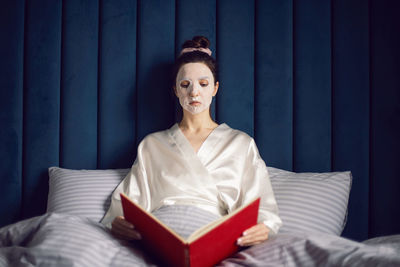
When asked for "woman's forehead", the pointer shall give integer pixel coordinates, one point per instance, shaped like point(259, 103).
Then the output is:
point(194, 70)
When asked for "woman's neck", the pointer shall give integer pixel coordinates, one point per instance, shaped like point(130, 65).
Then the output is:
point(197, 122)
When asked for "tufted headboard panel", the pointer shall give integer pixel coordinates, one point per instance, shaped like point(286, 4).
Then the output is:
point(82, 82)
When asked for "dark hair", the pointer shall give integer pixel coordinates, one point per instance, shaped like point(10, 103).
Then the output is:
point(195, 57)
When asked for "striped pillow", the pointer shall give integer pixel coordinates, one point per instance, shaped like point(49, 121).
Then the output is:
point(82, 192)
point(308, 202)
point(311, 202)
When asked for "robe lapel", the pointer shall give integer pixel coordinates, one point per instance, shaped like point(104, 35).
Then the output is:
point(201, 176)
point(206, 149)
point(185, 148)
point(187, 153)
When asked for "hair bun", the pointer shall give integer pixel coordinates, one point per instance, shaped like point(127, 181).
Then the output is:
point(197, 42)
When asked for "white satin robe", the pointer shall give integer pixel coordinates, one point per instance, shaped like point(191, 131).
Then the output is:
point(226, 173)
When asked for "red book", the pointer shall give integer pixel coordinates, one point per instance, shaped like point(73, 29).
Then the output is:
point(205, 247)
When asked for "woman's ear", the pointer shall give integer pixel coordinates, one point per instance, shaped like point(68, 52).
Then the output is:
point(174, 87)
point(216, 88)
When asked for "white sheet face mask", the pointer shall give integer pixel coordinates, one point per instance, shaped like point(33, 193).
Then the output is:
point(195, 87)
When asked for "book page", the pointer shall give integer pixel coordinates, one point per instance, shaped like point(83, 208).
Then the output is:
point(166, 227)
point(208, 227)
point(198, 233)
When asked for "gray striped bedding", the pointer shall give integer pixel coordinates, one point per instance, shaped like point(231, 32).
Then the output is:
point(317, 249)
point(82, 192)
point(310, 202)
point(312, 206)
point(56, 239)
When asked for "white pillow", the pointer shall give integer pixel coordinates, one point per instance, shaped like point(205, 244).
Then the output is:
point(82, 192)
point(311, 202)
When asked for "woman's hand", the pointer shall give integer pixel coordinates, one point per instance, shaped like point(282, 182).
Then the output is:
point(254, 235)
point(123, 229)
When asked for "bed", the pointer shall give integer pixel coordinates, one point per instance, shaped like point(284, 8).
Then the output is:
point(313, 207)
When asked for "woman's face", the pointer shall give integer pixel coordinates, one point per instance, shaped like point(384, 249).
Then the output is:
point(195, 87)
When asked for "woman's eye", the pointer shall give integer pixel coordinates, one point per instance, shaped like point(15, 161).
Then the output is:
point(204, 84)
point(184, 85)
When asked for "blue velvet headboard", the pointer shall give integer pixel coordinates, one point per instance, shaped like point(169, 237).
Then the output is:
point(315, 82)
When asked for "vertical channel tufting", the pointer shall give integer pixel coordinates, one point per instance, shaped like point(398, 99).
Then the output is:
point(41, 101)
point(293, 84)
point(11, 101)
point(312, 96)
point(255, 118)
point(177, 106)
point(117, 83)
point(99, 66)
point(350, 124)
point(274, 76)
point(385, 117)
point(79, 84)
point(197, 18)
point(324, 92)
point(156, 44)
point(235, 25)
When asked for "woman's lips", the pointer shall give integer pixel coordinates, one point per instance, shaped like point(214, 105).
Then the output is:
point(194, 103)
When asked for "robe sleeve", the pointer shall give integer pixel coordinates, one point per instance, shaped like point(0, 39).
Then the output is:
point(256, 183)
point(135, 185)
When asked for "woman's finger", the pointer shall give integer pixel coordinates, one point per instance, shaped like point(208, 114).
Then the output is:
point(124, 229)
point(254, 235)
point(246, 240)
point(252, 239)
point(121, 220)
point(119, 236)
point(121, 228)
point(126, 234)
point(119, 223)
point(256, 228)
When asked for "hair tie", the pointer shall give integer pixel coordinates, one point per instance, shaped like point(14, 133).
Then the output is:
point(191, 49)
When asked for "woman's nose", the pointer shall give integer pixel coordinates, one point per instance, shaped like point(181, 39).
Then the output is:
point(194, 91)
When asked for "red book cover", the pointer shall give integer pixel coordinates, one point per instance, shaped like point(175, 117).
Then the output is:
point(205, 247)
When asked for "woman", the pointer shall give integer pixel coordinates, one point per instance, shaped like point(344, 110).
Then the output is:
point(197, 162)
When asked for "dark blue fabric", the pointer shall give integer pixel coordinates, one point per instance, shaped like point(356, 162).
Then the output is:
point(117, 84)
point(41, 100)
point(79, 68)
point(156, 46)
point(350, 105)
point(312, 86)
point(315, 82)
point(236, 59)
point(273, 90)
point(195, 17)
point(385, 117)
point(11, 99)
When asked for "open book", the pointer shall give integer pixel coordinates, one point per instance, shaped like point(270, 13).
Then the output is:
point(205, 247)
